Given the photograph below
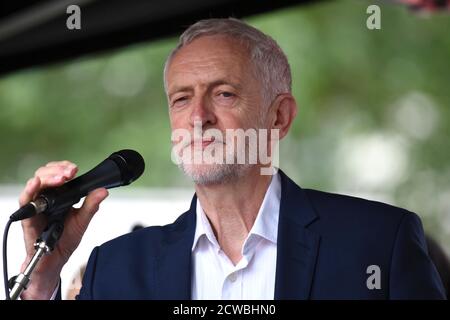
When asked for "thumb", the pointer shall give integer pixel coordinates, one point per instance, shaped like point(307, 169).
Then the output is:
point(90, 206)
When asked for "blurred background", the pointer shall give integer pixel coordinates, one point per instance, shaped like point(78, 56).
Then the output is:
point(374, 117)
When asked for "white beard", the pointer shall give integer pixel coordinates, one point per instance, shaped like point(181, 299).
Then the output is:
point(208, 174)
point(213, 173)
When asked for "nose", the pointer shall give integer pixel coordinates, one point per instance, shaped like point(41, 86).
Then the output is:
point(202, 112)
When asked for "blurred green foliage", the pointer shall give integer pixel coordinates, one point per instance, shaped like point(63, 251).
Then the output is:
point(373, 103)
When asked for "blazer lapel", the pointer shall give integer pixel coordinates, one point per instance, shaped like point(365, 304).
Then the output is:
point(297, 247)
point(173, 266)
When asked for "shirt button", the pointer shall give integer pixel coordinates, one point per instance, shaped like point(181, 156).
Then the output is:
point(233, 277)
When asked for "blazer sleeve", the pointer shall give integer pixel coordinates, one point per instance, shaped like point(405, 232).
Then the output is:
point(412, 273)
point(86, 292)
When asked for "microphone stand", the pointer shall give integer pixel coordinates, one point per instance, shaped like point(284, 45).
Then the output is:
point(43, 245)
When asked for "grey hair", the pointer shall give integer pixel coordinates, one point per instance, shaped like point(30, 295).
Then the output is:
point(270, 64)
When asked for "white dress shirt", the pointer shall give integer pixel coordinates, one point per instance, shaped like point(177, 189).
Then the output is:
point(214, 276)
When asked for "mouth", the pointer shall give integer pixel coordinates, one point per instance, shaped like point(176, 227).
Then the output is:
point(203, 143)
point(198, 144)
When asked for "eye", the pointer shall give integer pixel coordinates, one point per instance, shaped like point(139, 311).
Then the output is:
point(179, 101)
point(225, 98)
point(226, 94)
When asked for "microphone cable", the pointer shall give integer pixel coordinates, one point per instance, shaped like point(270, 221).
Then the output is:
point(5, 258)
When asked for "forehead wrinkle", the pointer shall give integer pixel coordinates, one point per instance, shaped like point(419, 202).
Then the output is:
point(205, 75)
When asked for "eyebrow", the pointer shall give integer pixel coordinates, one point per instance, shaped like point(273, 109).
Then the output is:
point(210, 85)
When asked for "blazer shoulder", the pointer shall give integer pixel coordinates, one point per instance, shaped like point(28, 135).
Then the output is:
point(366, 228)
point(329, 205)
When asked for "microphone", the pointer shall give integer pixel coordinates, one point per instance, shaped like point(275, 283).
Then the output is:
point(119, 169)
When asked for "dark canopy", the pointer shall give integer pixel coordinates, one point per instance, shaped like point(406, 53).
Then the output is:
point(34, 32)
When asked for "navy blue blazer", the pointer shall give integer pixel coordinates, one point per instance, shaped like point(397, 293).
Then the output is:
point(326, 242)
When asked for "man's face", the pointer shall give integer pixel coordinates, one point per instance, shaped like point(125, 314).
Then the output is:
point(211, 83)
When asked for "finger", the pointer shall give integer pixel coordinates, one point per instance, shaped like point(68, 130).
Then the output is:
point(91, 205)
point(56, 176)
point(32, 187)
point(52, 181)
point(64, 163)
point(66, 171)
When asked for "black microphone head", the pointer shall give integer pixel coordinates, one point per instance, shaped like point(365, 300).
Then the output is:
point(130, 163)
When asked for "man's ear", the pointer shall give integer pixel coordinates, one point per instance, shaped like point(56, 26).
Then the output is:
point(284, 111)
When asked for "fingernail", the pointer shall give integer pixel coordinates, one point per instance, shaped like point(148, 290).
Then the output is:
point(68, 171)
point(57, 178)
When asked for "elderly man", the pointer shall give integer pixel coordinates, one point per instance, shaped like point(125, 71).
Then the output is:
point(247, 235)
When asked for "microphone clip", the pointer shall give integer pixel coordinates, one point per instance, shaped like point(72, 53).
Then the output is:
point(45, 244)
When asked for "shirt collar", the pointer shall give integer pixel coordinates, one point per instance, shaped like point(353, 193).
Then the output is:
point(266, 223)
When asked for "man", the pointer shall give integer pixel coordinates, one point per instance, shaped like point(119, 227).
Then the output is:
point(247, 235)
